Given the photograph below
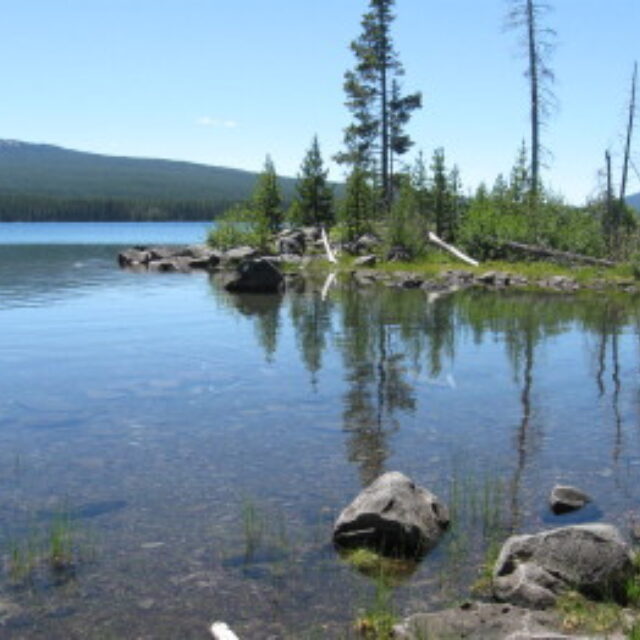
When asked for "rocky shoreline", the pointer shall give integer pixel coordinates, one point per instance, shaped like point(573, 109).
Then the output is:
point(362, 270)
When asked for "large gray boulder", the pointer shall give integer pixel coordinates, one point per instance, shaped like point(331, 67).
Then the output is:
point(532, 570)
point(256, 276)
point(394, 517)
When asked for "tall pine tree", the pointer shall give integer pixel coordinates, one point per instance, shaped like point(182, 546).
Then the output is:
point(379, 110)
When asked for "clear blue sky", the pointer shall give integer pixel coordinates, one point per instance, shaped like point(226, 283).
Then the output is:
point(225, 82)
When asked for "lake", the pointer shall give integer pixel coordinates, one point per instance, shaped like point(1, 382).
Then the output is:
point(171, 455)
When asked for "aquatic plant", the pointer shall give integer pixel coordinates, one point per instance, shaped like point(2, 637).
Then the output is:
point(253, 527)
point(60, 551)
point(377, 620)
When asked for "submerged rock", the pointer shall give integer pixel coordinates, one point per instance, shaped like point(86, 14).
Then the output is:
point(532, 570)
point(482, 621)
point(256, 276)
point(564, 499)
point(394, 517)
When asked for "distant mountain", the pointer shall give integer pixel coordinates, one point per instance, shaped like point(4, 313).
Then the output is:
point(50, 171)
point(634, 201)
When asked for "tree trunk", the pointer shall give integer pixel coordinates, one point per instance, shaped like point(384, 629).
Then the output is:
point(535, 102)
point(567, 256)
point(627, 148)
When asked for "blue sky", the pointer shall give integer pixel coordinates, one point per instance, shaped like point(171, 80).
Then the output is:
point(225, 82)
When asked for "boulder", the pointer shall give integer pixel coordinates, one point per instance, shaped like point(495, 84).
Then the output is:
point(292, 241)
point(366, 243)
point(238, 254)
point(564, 499)
point(532, 570)
point(365, 261)
point(495, 279)
point(170, 265)
point(393, 517)
point(134, 257)
point(398, 254)
point(482, 621)
point(256, 276)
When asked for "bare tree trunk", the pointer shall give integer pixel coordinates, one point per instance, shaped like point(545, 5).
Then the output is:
point(611, 224)
point(535, 103)
point(384, 107)
point(627, 148)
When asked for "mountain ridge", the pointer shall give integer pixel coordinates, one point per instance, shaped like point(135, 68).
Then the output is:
point(40, 169)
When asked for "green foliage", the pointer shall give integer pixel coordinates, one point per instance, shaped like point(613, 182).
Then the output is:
point(267, 199)
point(240, 225)
point(357, 207)
point(313, 204)
point(406, 227)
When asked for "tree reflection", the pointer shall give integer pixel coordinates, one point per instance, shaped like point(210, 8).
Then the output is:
point(375, 372)
point(311, 319)
point(263, 308)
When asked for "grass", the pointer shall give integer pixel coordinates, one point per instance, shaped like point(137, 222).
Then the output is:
point(437, 262)
point(378, 619)
point(580, 614)
point(253, 523)
point(478, 527)
point(58, 547)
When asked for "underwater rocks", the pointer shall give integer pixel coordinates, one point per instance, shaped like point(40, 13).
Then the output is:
point(564, 499)
point(394, 517)
point(533, 570)
point(481, 621)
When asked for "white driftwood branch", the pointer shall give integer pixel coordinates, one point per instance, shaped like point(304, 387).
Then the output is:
point(330, 255)
point(452, 250)
point(221, 631)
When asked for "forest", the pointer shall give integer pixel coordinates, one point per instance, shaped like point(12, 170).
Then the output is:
point(401, 201)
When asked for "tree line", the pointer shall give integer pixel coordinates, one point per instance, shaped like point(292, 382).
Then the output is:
point(33, 208)
point(402, 201)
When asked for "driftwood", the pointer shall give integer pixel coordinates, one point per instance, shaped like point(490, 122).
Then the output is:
point(221, 631)
point(566, 256)
point(330, 255)
point(433, 238)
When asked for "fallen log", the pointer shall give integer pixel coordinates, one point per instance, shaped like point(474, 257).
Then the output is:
point(565, 256)
point(433, 238)
point(330, 255)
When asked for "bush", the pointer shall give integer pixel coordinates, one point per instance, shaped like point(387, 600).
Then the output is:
point(240, 225)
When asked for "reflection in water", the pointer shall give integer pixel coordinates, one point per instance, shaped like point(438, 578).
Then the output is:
point(376, 378)
point(263, 308)
point(157, 416)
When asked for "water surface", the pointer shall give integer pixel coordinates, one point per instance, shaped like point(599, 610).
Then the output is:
point(200, 445)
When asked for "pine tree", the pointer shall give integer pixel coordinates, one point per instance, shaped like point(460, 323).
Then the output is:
point(440, 194)
point(380, 112)
point(357, 206)
point(314, 195)
point(520, 179)
point(420, 184)
point(267, 199)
